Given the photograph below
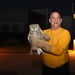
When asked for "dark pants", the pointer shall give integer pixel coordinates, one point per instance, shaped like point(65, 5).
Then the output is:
point(63, 70)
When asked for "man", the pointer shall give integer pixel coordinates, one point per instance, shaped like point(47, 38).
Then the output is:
point(55, 57)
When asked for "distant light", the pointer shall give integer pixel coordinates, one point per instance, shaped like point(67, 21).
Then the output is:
point(74, 16)
point(73, 44)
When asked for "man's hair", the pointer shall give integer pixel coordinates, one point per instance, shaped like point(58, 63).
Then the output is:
point(56, 11)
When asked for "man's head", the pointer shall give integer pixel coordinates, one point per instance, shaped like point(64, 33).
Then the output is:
point(55, 20)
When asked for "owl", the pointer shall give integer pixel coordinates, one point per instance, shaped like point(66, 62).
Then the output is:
point(36, 31)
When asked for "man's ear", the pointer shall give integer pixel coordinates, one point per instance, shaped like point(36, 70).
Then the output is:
point(61, 20)
point(49, 20)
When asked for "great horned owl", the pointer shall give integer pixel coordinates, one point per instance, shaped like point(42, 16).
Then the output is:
point(36, 31)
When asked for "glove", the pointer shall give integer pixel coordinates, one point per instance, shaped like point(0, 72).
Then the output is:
point(36, 42)
point(41, 44)
point(47, 37)
point(35, 50)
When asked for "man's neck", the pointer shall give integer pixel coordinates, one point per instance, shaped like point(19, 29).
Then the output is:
point(55, 28)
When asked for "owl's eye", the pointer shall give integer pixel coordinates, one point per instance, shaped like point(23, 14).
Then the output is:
point(31, 29)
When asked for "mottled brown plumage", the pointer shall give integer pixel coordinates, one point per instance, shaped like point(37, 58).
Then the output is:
point(36, 31)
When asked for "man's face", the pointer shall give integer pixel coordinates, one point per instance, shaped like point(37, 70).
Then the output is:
point(55, 20)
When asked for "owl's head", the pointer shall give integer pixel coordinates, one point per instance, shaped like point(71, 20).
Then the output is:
point(34, 27)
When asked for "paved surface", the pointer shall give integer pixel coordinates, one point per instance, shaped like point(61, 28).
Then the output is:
point(20, 64)
point(16, 60)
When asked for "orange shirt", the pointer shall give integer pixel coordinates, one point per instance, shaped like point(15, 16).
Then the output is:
point(59, 40)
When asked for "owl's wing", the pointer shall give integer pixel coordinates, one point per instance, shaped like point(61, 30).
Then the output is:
point(28, 37)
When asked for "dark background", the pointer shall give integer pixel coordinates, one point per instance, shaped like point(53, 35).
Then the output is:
point(22, 11)
point(63, 5)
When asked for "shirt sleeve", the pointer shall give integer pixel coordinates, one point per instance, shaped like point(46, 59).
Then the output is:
point(62, 43)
